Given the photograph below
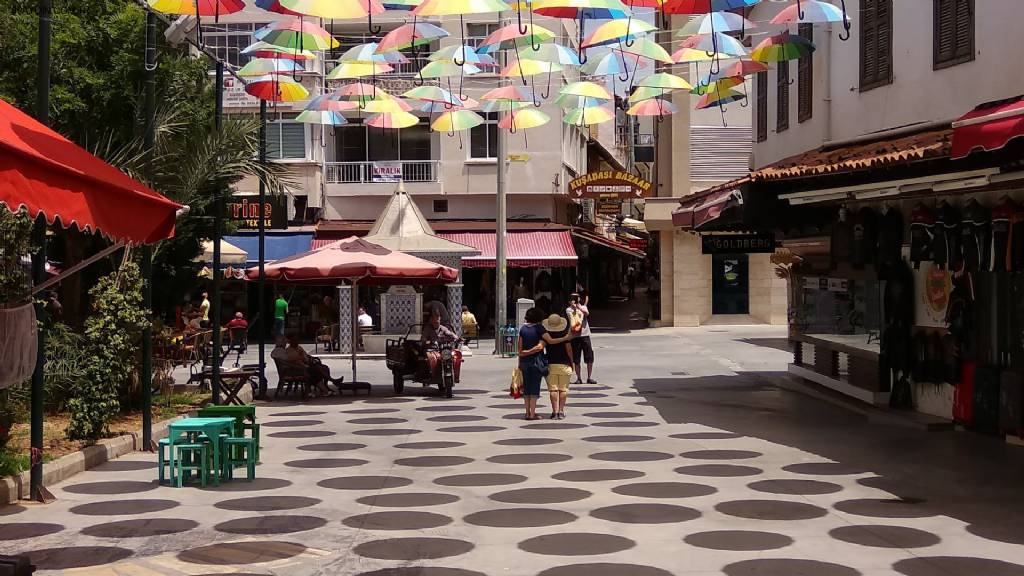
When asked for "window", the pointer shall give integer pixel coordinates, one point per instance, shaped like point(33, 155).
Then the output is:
point(953, 38)
point(440, 206)
point(875, 44)
point(476, 33)
point(356, 142)
point(483, 139)
point(286, 139)
point(805, 79)
point(762, 106)
point(228, 40)
point(782, 97)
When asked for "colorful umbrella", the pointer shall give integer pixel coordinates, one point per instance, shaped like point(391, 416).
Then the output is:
point(589, 116)
point(687, 55)
point(275, 6)
point(646, 48)
point(721, 85)
point(570, 101)
point(345, 70)
point(615, 31)
point(437, 107)
point(330, 103)
point(513, 37)
point(588, 89)
point(463, 53)
point(266, 66)
point(366, 54)
point(434, 94)
point(442, 69)
point(393, 120)
point(582, 9)
point(652, 107)
point(401, 4)
point(513, 93)
point(263, 50)
point(213, 8)
point(665, 81)
point(410, 36)
point(386, 105)
point(523, 119)
point(608, 64)
point(715, 42)
point(715, 22)
point(456, 120)
point(718, 98)
point(781, 48)
point(524, 67)
point(325, 117)
point(641, 93)
point(297, 34)
point(490, 106)
point(815, 11)
point(704, 6)
point(460, 8)
point(335, 9)
point(360, 92)
point(744, 68)
point(276, 89)
point(551, 52)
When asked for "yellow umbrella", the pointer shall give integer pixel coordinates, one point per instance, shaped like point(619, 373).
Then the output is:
point(358, 70)
point(386, 106)
point(588, 89)
point(664, 81)
point(455, 120)
point(393, 120)
point(524, 119)
point(641, 93)
point(615, 31)
point(526, 67)
point(589, 116)
point(337, 9)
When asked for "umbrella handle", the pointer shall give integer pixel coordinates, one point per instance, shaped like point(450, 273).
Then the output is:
point(455, 59)
point(716, 66)
point(582, 52)
point(419, 80)
point(799, 10)
point(845, 34)
point(547, 93)
point(519, 62)
point(413, 48)
point(721, 108)
point(625, 67)
point(629, 22)
point(746, 97)
point(533, 37)
point(369, 24)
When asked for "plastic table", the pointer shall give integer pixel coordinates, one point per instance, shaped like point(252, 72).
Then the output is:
point(212, 427)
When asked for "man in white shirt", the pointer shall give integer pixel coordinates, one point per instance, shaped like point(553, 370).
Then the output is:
point(582, 349)
point(364, 319)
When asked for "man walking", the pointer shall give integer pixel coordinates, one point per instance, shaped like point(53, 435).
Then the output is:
point(204, 311)
point(582, 349)
point(280, 313)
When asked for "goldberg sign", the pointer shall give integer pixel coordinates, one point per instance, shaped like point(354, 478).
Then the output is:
point(738, 244)
point(610, 185)
point(247, 213)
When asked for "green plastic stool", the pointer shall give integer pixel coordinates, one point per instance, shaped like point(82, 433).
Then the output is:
point(163, 461)
point(197, 457)
point(248, 446)
point(255, 428)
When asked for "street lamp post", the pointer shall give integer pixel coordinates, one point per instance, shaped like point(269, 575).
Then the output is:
point(146, 252)
point(218, 215)
point(262, 325)
point(500, 257)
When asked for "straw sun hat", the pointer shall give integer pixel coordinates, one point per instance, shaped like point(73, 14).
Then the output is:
point(554, 323)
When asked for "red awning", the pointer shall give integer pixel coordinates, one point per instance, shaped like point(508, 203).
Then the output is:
point(607, 243)
point(696, 212)
point(523, 249)
point(988, 127)
point(45, 172)
point(321, 242)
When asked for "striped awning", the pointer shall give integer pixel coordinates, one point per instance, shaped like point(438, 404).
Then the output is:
point(524, 249)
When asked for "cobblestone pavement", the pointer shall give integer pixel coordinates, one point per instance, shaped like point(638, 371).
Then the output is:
point(686, 459)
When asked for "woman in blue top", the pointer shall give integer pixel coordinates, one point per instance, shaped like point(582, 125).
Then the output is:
point(531, 359)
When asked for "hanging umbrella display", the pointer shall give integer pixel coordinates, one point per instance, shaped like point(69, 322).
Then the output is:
point(615, 31)
point(393, 120)
point(335, 9)
point(523, 120)
point(401, 4)
point(410, 36)
point(276, 89)
point(664, 81)
point(331, 103)
point(434, 94)
point(690, 55)
point(275, 7)
point(360, 92)
point(570, 101)
point(490, 106)
point(444, 69)
point(525, 67)
point(641, 93)
point(438, 107)
point(459, 8)
point(720, 85)
point(781, 48)
point(325, 117)
point(744, 68)
point(215, 8)
point(646, 48)
point(582, 10)
point(815, 12)
point(386, 105)
point(608, 64)
point(513, 93)
point(586, 88)
point(266, 66)
point(512, 37)
point(456, 121)
point(704, 6)
point(347, 70)
point(653, 107)
point(715, 22)
point(589, 116)
point(715, 42)
point(463, 53)
point(296, 34)
point(551, 52)
point(718, 98)
point(261, 49)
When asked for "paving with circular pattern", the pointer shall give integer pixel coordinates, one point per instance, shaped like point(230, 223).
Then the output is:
point(425, 486)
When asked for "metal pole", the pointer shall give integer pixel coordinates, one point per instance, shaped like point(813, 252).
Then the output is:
point(147, 252)
point(261, 285)
point(500, 263)
point(218, 209)
point(36, 490)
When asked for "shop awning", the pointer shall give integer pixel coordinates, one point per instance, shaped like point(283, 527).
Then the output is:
point(988, 127)
point(704, 208)
point(527, 249)
point(276, 246)
point(588, 236)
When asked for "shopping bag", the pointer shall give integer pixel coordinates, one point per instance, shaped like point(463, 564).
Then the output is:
point(516, 389)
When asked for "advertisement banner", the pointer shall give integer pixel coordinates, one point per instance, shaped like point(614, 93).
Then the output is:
point(387, 171)
point(246, 212)
point(932, 286)
point(610, 185)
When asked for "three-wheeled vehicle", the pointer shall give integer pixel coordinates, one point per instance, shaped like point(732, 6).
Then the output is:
point(407, 360)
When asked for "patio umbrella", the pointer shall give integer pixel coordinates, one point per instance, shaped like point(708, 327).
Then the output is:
point(781, 48)
point(357, 262)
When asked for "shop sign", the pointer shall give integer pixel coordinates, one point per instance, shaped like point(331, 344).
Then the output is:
point(246, 212)
point(739, 244)
point(235, 95)
point(933, 286)
point(518, 157)
point(638, 244)
point(608, 208)
point(610, 185)
point(826, 284)
point(387, 171)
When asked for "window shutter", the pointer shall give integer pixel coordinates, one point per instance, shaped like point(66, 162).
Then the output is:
point(883, 23)
point(945, 30)
point(293, 140)
point(782, 97)
point(965, 30)
point(953, 38)
point(805, 79)
point(875, 44)
point(762, 106)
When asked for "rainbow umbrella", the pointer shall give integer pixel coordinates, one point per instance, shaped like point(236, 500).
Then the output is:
point(715, 42)
point(297, 34)
point(504, 106)
point(551, 52)
point(360, 92)
point(718, 98)
point(463, 53)
point(524, 67)
point(646, 48)
point(460, 8)
point(688, 55)
point(582, 10)
point(366, 53)
point(512, 37)
point(434, 94)
point(608, 64)
point(589, 116)
point(570, 101)
point(585, 88)
point(715, 22)
point(781, 48)
point(615, 31)
point(523, 119)
point(401, 4)
point(263, 50)
point(215, 8)
point(442, 69)
point(744, 68)
point(330, 103)
point(276, 89)
point(704, 6)
point(664, 81)
point(326, 117)
point(393, 120)
point(720, 85)
point(346, 70)
point(641, 93)
point(410, 36)
point(267, 66)
point(653, 107)
point(275, 6)
point(457, 120)
point(810, 11)
point(335, 9)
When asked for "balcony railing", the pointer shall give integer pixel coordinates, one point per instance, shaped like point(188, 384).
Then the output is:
point(382, 172)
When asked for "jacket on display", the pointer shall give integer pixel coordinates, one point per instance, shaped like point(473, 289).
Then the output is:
point(1002, 217)
point(946, 236)
point(975, 237)
point(922, 234)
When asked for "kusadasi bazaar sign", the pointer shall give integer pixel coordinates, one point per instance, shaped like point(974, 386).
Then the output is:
point(610, 185)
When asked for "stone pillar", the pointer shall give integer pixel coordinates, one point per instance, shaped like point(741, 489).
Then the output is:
point(454, 303)
point(345, 320)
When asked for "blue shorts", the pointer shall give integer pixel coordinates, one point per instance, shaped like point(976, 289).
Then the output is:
point(531, 377)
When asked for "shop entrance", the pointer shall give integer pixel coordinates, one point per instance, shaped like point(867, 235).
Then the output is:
point(730, 285)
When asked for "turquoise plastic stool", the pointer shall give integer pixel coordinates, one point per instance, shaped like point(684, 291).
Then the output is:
point(192, 458)
point(255, 428)
point(248, 447)
point(162, 461)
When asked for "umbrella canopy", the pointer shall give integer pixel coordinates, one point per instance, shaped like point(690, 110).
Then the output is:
point(810, 11)
point(619, 30)
point(607, 64)
point(462, 53)
point(652, 107)
point(262, 49)
point(743, 68)
point(276, 89)
point(434, 94)
point(330, 103)
point(297, 34)
point(410, 35)
point(325, 117)
point(588, 89)
point(344, 9)
point(229, 253)
point(275, 7)
point(456, 7)
point(781, 48)
point(704, 6)
point(266, 66)
point(513, 93)
point(456, 120)
point(550, 52)
point(589, 116)
point(443, 69)
point(715, 22)
point(355, 259)
point(685, 55)
point(646, 48)
point(44, 172)
point(393, 120)
point(511, 37)
point(586, 9)
point(197, 7)
point(524, 67)
point(664, 81)
point(504, 106)
point(718, 98)
point(715, 42)
point(524, 119)
point(346, 70)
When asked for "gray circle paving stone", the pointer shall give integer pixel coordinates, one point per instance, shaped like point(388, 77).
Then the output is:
point(878, 536)
point(645, 513)
point(422, 571)
point(377, 421)
point(631, 456)
point(290, 423)
point(554, 425)
point(480, 480)
point(705, 436)
point(528, 441)
point(516, 406)
point(541, 496)
point(111, 487)
point(965, 565)
point(589, 395)
point(457, 418)
point(434, 461)
point(302, 434)
point(1001, 532)
point(261, 525)
point(254, 486)
point(884, 508)
point(429, 445)
point(576, 544)
point(529, 458)
point(770, 509)
point(822, 469)
point(397, 520)
point(412, 549)
point(371, 411)
point(67, 557)
point(787, 567)
point(236, 553)
point(331, 447)
point(267, 503)
point(720, 454)
point(408, 500)
point(364, 482)
point(618, 438)
point(795, 487)
point(718, 470)
point(613, 414)
point(23, 530)
point(738, 540)
point(464, 429)
point(296, 414)
point(445, 408)
point(604, 569)
point(626, 424)
point(140, 528)
point(123, 507)
point(519, 518)
point(598, 475)
point(326, 463)
point(387, 432)
point(665, 490)
point(592, 405)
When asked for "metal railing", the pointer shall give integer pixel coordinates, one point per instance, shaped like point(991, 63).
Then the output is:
point(382, 172)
